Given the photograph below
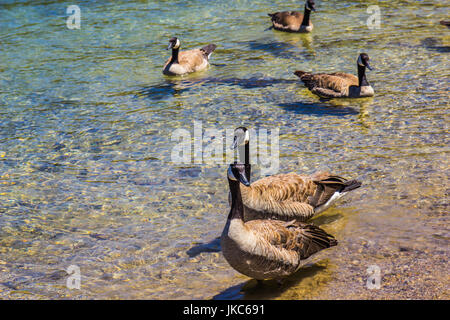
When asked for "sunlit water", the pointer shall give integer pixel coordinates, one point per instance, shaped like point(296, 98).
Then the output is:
point(86, 118)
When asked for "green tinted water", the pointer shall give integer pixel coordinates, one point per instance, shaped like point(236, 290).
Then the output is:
point(86, 118)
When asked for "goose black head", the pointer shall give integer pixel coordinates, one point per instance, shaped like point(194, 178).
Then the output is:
point(310, 5)
point(363, 61)
point(174, 43)
point(241, 137)
point(236, 172)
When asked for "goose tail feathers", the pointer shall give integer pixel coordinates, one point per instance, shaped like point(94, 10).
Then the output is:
point(319, 238)
point(208, 49)
point(329, 189)
point(351, 185)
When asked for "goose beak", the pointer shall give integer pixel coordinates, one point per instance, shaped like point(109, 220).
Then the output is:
point(243, 179)
point(369, 67)
point(170, 45)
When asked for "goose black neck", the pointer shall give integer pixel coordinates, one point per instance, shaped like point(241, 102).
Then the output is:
point(247, 154)
point(306, 15)
point(245, 159)
point(237, 207)
point(248, 167)
point(175, 55)
point(362, 76)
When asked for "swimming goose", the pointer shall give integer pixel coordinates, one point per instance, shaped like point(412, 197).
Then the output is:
point(338, 84)
point(289, 196)
point(294, 21)
point(266, 249)
point(187, 61)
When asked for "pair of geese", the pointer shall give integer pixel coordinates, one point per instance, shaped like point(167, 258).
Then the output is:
point(266, 236)
point(324, 85)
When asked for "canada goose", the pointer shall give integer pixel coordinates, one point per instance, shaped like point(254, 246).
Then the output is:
point(289, 196)
point(294, 21)
point(187, 61)
point(338, 84)
point(266, 249)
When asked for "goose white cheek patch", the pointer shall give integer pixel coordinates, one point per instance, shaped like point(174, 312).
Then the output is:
point(247, 137)
point(177, 44)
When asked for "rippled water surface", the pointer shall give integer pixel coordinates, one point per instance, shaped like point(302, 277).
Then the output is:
point(86, 118)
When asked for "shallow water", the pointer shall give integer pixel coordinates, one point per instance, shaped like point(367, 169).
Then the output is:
point(86, 118)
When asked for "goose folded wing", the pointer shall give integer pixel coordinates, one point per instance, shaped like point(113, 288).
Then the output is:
point(191, 58)
point(287, 19)
point(284, 196)
point(282, 187)
point(304, 239)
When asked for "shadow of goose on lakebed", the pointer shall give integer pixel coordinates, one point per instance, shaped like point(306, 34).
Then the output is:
point(174, 87)
point(212, 246)
point(163, 90)
point(318, 109)
point(308, 277)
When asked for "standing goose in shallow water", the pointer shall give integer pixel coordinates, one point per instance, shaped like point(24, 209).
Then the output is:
point(266, 249)
point(294, 21)
point(338, 84)
point(289, 196)
point(187, 61)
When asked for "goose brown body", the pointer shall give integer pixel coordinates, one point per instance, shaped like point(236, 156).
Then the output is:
point(267, 249)
point(293, 196)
